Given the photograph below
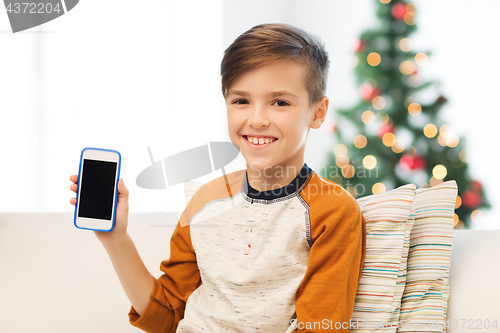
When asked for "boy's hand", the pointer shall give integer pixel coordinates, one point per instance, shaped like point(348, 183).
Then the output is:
point(121, 221)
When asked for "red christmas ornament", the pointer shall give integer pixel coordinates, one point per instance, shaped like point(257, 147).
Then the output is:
point(387, 128)
point(476, 185)
point(368, 91)
point(471, 199)
point(399, 10)
point(409, 162)
point(360, 46)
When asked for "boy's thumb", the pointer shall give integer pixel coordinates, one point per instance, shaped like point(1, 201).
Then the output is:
point(122, 188)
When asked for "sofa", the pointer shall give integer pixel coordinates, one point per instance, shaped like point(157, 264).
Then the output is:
point(57, 278)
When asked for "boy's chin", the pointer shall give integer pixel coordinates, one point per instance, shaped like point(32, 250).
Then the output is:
point(259, 165)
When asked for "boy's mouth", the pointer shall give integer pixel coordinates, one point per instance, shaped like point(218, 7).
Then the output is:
point(259, 140)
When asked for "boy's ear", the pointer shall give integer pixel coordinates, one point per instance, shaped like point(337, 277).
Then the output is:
point(320, 109)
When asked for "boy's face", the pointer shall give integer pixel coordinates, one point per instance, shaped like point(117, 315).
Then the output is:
point(272, 102)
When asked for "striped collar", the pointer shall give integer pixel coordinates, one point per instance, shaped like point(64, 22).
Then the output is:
point(284, 191)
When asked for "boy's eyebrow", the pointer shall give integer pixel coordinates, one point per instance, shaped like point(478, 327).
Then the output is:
point(282, 93)
point(272, 94)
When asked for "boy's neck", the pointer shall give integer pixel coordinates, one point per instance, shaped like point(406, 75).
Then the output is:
point(272, 178)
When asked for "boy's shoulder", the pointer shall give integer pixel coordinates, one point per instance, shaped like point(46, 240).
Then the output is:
point(321, 191)
point(331, 207)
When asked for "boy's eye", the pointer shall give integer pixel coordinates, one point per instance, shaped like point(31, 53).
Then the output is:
point(240, 101)
point(280, 103)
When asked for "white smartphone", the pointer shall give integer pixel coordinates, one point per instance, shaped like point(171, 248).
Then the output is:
point(97, 192)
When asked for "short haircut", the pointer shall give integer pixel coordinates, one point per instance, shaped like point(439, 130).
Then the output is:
point(266, 44)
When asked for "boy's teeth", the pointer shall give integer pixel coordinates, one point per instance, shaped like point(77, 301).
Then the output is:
point(259, 141)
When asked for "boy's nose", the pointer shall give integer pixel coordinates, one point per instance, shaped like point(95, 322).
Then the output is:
point(259, 118)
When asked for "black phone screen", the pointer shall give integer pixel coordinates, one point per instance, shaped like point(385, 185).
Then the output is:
point(97, 189)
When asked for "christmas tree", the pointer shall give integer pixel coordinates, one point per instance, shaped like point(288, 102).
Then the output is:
point(391, 137)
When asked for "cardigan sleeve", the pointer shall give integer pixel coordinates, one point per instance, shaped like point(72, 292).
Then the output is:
point(170, 293)
point(325, 299)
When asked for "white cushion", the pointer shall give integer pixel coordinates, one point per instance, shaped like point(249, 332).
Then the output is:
point(474, 287)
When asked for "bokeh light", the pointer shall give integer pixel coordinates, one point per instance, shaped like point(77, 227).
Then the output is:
point(389, 139)
point(348, 171)
point(463, 155)
point(373, 59)
point(369, 162)
point(414, 109)
point(378, 188)
point(455, 219)
point(421, 59)
point(439, 171)
point(441, 140)
point(340, 150)
point(476, 216)
point(445, 128)
point(409, 17)
point(407, 67)
point(410, 8)
point(458, 202)
point(430, 130)
point(353, 61)
point(447, 137)
point(368, 117)
point(341, 161)
point(360, 141)
point(379, 103)
point(405, 44)
point(452, 140)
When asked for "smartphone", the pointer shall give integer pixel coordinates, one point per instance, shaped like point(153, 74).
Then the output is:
point(97, 192)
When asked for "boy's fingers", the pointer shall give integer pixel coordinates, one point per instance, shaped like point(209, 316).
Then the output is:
point(123, 196)
point(122, 189)
point(73, 178)
point(72, 201)
point(73, 187)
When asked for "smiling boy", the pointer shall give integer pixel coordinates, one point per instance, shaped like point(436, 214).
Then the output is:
point(267, 246)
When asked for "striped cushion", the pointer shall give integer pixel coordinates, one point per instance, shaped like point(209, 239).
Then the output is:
point(401, 284)
point(388, 227)
point(426, 293)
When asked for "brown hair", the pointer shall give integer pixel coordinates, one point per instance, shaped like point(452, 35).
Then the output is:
point(266, 44)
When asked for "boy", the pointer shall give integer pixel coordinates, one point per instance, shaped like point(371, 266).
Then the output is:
point(264, 247)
